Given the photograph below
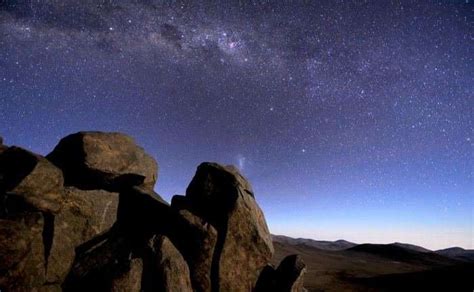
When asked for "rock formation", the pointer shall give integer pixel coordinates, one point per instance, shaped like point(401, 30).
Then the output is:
point(86, 218)
point(287, 277)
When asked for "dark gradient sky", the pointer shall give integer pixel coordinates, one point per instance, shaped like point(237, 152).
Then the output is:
point(351, 120)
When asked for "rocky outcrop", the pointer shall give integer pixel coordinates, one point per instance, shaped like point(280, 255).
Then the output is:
point(86, 218)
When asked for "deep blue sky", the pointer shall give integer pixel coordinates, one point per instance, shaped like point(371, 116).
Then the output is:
point(351, 121)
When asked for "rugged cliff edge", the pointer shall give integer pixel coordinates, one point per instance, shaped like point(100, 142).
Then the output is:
point(86, 218)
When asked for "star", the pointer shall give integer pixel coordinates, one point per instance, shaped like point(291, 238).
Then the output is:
point(329, 104)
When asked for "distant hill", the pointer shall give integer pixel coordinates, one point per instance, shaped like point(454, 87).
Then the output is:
point(401, 253)
point(321, 244)
point(457, 253)
point(375, 267)
point(412, 247)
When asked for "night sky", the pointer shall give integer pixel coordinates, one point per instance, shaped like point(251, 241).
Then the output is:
point(351, 120)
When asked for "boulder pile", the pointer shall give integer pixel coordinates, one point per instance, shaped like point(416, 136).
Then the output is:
point(86, 218)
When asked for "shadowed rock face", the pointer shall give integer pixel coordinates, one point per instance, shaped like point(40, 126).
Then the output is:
point(32, 178)
point(103, 228)
point(290, 273)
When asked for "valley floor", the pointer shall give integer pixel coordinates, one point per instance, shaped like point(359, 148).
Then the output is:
point(370, 270)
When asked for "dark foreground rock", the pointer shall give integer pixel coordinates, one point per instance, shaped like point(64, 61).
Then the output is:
point(289, 276)
point(87, 219)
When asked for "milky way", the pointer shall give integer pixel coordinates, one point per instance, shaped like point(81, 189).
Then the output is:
point(351, 120)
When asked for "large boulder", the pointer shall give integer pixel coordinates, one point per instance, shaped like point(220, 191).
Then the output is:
point(32, 178)
point(196, 239)
point(98, 160)
point(85, 214)
point(224, 198)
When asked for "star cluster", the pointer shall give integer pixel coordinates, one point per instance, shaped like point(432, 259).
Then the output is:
point(351, 120)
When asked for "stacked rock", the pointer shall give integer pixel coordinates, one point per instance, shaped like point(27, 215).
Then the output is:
point(85, 217)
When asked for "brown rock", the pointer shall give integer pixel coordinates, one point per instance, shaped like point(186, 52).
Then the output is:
point(172, 271)
point(223, 197)
point(22, 263)
point(32, 178)
point(98, 160)
point(84, 215)
point(131, 280)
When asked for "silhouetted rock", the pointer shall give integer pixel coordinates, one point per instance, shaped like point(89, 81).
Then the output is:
point(32, 178)
point(223, 197)
point(267, 281)
point(84, 215)
point(288, 277)
point(97, 160)
point(290, 274)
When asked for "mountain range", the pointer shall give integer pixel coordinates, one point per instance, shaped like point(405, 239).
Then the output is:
point(346, 266)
